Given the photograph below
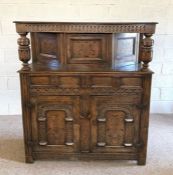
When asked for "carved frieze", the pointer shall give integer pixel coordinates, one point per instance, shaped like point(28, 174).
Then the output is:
point(35, 90)
point(86, 27)
point(54, 91)
point(114, 91)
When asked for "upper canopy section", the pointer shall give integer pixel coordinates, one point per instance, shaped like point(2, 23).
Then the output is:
point(85, 27)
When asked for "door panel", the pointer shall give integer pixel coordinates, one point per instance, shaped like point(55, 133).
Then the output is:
point(55, 119)
point(56, 127)
point(88, 48)
point(115, 125)
point(114, 135)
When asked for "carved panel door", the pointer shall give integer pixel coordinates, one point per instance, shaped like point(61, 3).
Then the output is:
point(55, 123)
point(115, 124)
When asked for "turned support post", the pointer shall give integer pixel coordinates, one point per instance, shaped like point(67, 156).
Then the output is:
point(146, 50)
point(24, 50)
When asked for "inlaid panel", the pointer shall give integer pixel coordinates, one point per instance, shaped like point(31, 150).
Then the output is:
point(54, 119)
point(115, 128)
point(56, 127)
point(87, 48)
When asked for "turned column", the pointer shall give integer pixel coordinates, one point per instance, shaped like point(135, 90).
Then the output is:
point(146, 50)
point(24, 50)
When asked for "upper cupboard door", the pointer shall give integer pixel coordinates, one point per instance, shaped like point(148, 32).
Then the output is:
point(88, 48)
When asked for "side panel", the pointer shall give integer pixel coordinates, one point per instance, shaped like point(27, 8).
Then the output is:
point(46, 48)
point(125, 49)
point(27, 122)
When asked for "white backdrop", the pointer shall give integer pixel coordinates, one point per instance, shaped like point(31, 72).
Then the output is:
point(87, 10)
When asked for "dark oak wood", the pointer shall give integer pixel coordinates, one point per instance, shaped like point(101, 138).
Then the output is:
point(86, 94)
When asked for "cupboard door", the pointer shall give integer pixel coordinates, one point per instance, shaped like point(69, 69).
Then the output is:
point(115, 125)
point(88, 48)
point(55, 123)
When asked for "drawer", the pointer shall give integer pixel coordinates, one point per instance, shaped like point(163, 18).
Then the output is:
point(131, 81)
point(59, 81)
point(77, 81)
point(39, 80)
point(103, 81)
point(115, 82)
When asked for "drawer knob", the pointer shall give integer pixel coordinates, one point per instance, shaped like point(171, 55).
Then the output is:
point(42, 143)
point(101, 144)
point(128, 144)
point(69, 143)
point(129, 120)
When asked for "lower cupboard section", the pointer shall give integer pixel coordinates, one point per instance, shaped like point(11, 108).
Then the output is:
point(70, 125)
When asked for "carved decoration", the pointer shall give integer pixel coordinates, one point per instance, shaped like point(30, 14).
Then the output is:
point(24, 50)
point(42, 132)
point(35, 90)
point(54, 91)
point(42, 109)
point(114, 91)
point(147, 50)
point(86, 28)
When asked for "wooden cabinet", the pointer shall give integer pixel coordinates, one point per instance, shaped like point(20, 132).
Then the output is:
point(86, 94)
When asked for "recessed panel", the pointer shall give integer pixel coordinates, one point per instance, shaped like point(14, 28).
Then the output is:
point(125, 47)
point(40, 80)
point(56, 127)
point(69, 81)
point(115, 128)
point(131, 82)
point(47, 47)
point(87, 48)
point(125, 50)
point(101, 81)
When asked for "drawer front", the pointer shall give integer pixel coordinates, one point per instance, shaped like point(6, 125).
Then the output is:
point(40, 80)
point(114, 82)
point(59, 81)
point(77, 85)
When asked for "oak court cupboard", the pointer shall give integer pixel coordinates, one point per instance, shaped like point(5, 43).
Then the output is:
point(86, 91)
